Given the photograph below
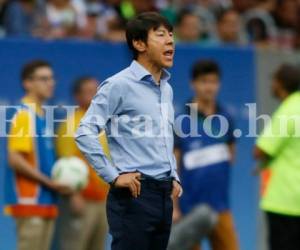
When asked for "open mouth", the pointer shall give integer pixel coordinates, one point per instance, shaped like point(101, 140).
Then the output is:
point(169, 53)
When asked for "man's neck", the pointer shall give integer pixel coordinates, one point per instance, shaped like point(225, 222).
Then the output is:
point(206, 107)
point(283, 95)
point(36, 100)
point(154, 70)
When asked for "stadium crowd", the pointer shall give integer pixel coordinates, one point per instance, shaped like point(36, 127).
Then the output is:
point(264, 23)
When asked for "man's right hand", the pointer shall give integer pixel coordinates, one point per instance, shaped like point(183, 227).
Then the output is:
point(60, 188)
point(131, 181)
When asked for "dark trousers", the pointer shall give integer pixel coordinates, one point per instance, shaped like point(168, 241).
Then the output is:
point(141, 223)
point(284, 232)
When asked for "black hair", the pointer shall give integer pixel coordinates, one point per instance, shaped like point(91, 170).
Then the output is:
point(204, 67)
point(223, 12)
point(79, 82)
point(139, 27)
point(183, 13)
point(29, 68)
point(288, 76)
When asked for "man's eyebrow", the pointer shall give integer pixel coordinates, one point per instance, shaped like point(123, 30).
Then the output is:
point(160, 30)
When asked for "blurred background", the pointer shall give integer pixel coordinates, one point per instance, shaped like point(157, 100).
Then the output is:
point(248, 38)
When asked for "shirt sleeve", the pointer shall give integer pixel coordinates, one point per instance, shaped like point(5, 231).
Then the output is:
point(275, 135)
point(20, 134)
point(104, 105)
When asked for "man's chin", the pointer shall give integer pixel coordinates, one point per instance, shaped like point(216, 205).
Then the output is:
point(168, 64)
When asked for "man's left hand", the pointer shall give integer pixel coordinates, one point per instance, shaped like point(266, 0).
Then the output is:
point(177, 190)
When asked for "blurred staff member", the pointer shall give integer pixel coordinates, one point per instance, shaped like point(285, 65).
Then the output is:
point(279, 148)
point(31, 156)
point(205, 160)
point(83, 223)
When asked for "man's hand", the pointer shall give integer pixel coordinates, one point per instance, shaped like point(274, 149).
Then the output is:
point(177, 190)
point(176, 214)
point(60, 188)
point(131, 181)
point(77, 203)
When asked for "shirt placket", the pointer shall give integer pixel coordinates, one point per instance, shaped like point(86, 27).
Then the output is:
point(164, 117)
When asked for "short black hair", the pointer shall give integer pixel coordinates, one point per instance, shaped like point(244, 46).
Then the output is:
point(139, 27)
point(79, 82)
point(183, 13)
point(204, 67)
point(288, 76)
point(223, 12)
point(29, 68)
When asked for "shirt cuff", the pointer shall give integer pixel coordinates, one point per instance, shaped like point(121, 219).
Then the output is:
point(174, 174)
point(110, 175)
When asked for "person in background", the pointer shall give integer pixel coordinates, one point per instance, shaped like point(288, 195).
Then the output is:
point(20, 18)
point(204, 161)
point(278, 148)
point(3, 7)
point(229, 28)
point(61, 19)
point(82, 224)
point(188, 28)
point(31, 157)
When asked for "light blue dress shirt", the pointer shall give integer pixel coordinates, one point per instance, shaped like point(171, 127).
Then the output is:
point(138, 116)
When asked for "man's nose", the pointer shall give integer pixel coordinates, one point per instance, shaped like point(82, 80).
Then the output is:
point(170, 40)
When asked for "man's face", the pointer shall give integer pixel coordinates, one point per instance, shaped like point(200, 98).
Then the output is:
point(87, 91)
point(160, 47)
point(189, 29)
point(206, 87)
point(276, 88)
point(41, 84)
point(229, 27)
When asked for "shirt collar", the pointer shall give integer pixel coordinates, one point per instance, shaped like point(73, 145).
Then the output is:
point(26, 100)
point(142, 74)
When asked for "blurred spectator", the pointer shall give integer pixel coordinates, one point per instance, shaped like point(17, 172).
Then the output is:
point(61, 19)
point(259, 24)
point(214, 5)
point(287, 20)
point(242, 6)
point(263, 23)
point(229, 27)
point(169, 10)
point(188, 28)
point(3, 6)
point(20, 18)
point(84, 210)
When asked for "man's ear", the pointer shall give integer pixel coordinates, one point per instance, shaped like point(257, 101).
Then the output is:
point(26, 85)
point(139, 45)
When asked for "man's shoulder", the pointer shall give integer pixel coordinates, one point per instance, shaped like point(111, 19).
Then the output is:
point(120, 78)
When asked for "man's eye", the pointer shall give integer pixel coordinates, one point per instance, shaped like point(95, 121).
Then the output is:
point(160, 34)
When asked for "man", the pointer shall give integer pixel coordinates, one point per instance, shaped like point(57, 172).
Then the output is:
point(31, 156)
point(142, 172)
point(85, 210)
point(278, 148)
point(188, 28)
point(228, 28)
point(205, 158)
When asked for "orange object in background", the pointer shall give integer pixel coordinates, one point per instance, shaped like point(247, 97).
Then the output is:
point(265, 178)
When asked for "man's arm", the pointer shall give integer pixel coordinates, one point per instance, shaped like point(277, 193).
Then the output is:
point(19, 164)
point(104, 105)
point(232, 151)
point(176, 208)
point(20, 145)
